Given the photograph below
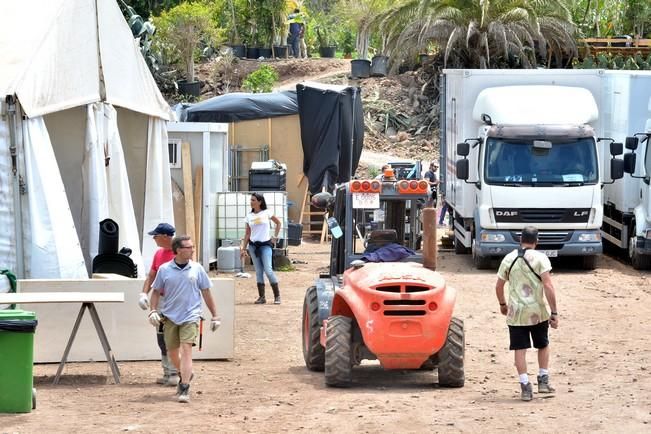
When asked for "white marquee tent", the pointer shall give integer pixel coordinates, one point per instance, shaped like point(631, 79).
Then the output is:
point(82, 137)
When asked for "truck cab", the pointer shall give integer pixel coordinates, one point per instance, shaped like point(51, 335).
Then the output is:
point(533, 159)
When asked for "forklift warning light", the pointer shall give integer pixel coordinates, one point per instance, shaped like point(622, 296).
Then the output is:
point(412, 187)
point(366, 186)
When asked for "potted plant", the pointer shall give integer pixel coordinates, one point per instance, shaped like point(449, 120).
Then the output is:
point(324, 28)
point(347, 44)
point(235, 41)
point(183, 28)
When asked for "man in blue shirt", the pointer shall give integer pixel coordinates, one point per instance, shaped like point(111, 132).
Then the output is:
point(179, 286)
point(295, 21)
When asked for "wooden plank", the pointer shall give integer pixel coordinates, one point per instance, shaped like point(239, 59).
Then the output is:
point(198, 207)
point(62, 297)
point(305, 196)
point(186, 162)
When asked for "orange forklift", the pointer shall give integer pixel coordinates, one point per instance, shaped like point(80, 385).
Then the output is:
point(382, 298)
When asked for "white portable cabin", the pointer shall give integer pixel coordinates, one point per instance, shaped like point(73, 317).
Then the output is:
point(82, 137)
point(209, 151)
point(463, 87)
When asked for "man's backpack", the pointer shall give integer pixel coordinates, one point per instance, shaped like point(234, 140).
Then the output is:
point(521, 252)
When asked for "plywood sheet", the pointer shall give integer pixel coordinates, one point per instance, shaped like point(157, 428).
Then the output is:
point(130, 335)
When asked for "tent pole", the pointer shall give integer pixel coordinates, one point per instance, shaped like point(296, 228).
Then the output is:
point(18, 187)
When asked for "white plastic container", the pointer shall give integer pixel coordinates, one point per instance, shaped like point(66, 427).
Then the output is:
point(5, 286)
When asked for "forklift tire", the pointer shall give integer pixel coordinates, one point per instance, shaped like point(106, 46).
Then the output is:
point(313, 351)
point(450, 358)
point(338, 352)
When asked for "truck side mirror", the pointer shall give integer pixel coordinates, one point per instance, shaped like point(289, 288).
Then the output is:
point(462, 169)
point(631, 143)
point(629, 162)
point(616, 148)
point(616, 168)
point(463, 149)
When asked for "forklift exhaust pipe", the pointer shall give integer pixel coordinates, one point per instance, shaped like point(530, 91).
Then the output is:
point(428, 216)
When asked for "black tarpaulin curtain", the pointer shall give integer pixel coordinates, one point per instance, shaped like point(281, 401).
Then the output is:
point(332, 133)
point(238, 106)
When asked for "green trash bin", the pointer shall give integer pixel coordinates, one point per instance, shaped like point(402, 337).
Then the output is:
point(17, 329)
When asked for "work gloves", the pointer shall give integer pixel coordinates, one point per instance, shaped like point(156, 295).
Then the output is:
point(143, 301)
point(154, 318)
point(214, 324)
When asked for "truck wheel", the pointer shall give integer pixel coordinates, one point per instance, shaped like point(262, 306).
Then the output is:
point(481, 262)
point(639, 262)
point(313, 351)
point(338, 352)
point(589, 262)
point(450, 358)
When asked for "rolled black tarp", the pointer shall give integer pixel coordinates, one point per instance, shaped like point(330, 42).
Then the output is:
point(240, 106)
point(332, 132)
point(109, 237)
point(18, 325)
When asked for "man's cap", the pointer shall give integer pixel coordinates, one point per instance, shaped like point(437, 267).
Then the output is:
point(163, 229)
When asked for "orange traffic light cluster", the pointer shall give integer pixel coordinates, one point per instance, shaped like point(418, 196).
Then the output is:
point(412, 187)
point(365, 186)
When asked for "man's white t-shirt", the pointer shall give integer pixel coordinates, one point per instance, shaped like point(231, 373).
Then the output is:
point(260, 225)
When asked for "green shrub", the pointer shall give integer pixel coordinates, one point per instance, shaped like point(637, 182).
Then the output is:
point(261, 80)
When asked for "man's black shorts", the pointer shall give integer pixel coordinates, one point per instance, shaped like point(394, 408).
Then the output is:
point(521, 336)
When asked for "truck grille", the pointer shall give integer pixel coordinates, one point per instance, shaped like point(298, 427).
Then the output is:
point(541, 215)
point(547, 237)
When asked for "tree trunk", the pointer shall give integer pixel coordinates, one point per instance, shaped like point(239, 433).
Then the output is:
point(362, 42)
point(189, 68)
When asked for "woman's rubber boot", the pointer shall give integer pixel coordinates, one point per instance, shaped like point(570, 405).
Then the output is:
point(261, 299)
point(274, 287)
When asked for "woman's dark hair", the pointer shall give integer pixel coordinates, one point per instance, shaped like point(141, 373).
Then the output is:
point(259, 198)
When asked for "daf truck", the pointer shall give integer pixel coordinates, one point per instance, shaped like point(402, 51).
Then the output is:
point(627, 202)
point(519, 148)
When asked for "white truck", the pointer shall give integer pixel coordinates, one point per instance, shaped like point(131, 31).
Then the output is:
point(627, 202)
point(519, 148)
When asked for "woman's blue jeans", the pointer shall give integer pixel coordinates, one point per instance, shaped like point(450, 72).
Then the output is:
point(262, 263)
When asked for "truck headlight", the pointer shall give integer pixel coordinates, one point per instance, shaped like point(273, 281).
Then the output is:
point(590, 238)
point(488, 237)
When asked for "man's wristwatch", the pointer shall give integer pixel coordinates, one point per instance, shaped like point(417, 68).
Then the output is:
point(553, 314)
point(502, 304)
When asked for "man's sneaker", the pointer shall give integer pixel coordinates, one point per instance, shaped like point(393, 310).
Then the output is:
point(163, 380)
point(172, 380)
point(178, 385)
point(277, 299)
point(543, 384)
point(527, 392)
point(184, 395)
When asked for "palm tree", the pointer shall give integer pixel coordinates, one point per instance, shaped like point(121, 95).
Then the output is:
point(483, 33)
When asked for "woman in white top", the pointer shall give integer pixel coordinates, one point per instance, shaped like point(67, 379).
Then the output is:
point(259, 244)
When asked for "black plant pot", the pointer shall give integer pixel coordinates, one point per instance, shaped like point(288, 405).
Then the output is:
point(252, 52)
point(239, 50)
point(280, 51)
point(360, 68)
point(192, 88)
point(327, 51)
point(379, 66)
point(264, 52)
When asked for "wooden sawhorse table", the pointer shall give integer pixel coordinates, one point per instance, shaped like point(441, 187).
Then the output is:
point(87, 300)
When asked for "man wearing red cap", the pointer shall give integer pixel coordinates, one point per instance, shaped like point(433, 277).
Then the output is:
point(163, 234)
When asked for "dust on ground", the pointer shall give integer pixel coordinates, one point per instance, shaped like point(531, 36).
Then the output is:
point(599, 366)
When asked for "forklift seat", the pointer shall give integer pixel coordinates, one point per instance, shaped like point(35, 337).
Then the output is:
point(380, 237)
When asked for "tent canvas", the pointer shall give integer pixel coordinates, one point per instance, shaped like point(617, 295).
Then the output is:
point(76, 84)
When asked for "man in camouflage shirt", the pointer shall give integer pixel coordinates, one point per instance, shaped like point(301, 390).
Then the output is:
point(528, 273)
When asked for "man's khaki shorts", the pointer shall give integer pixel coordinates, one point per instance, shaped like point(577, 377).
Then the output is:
point(176, 334)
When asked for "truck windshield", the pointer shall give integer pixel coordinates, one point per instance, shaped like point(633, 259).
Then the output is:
point(517, 162)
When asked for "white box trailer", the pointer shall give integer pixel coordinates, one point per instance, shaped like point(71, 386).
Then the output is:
point(509, 119)
point(627, 202)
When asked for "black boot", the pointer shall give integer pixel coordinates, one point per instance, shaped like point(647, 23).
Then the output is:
point(261, 299)
point(274, 287)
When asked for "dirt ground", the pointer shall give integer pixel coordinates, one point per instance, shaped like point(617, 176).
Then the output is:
point(599, 367)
